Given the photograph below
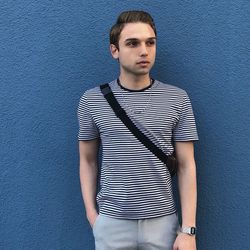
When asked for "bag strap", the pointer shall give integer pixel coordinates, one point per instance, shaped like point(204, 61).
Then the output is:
point(122, 115)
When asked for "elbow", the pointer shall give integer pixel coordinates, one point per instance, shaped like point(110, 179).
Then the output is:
point(187, 165)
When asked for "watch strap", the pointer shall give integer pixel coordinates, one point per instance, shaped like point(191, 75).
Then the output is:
point(188, 230)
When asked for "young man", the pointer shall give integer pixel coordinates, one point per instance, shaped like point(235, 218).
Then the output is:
point(136, 208)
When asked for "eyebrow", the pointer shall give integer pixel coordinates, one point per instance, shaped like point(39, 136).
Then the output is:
point(136, 39)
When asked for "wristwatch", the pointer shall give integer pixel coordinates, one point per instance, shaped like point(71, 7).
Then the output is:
point(188, 230)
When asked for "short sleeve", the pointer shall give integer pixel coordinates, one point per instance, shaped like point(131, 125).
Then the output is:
point(185, 129)
point(87, 127)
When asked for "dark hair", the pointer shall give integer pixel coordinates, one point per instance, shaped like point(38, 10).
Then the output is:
point(129, 17)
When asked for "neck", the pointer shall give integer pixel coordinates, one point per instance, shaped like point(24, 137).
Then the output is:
point(135, 82)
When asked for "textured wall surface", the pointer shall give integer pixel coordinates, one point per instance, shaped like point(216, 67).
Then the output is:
point(52, 51)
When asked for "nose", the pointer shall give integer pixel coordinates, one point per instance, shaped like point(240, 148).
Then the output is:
point(144, 50)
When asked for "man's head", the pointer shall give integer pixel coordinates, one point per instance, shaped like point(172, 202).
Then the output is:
point(129, 17)
point(133, 42)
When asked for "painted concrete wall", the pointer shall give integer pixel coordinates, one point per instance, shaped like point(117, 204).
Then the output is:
point(52, 51)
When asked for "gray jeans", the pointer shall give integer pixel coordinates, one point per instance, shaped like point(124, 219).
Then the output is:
point(146, 234)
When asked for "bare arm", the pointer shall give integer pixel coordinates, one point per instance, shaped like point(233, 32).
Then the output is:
point(88, 151)
point(187, 190)
point(187, 182)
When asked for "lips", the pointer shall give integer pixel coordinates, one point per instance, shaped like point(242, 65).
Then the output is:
point(143, 62)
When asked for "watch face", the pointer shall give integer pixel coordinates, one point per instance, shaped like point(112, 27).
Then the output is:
point(193, 230)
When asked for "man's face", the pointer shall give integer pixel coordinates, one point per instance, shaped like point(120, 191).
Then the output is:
point(137, 49)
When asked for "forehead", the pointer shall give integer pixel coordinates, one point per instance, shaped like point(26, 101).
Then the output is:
point(136, 30)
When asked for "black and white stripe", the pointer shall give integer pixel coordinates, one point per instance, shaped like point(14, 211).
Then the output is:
point(135, 184)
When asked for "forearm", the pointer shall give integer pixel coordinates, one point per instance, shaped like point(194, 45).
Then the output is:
point(188, 192)
point(88, 178)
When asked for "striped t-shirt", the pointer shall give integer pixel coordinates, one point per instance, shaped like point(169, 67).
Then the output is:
point(135, 184)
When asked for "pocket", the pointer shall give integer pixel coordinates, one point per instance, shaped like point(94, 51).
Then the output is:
point(177, 223)
point(96, 220)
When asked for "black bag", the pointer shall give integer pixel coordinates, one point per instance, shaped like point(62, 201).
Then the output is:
point(170, 161)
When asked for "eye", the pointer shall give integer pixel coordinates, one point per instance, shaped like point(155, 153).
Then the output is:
point(151, 42)
point(132, 43)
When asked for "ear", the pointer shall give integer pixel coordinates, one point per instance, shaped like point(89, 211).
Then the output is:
point(114, 51)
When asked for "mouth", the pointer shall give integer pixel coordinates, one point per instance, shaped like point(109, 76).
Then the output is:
point(143, 63)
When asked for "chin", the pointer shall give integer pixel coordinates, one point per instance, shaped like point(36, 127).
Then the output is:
point(138, 72)
point(143, 72)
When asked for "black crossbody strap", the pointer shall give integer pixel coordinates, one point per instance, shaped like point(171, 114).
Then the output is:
point(122, 115)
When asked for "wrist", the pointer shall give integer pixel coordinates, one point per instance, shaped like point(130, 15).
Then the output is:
point(188, 230)
point(91, 212)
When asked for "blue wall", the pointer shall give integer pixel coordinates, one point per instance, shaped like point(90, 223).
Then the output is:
point(52, 51)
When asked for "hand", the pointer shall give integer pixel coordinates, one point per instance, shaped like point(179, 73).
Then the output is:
point(92, 217)
point(184, 242)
